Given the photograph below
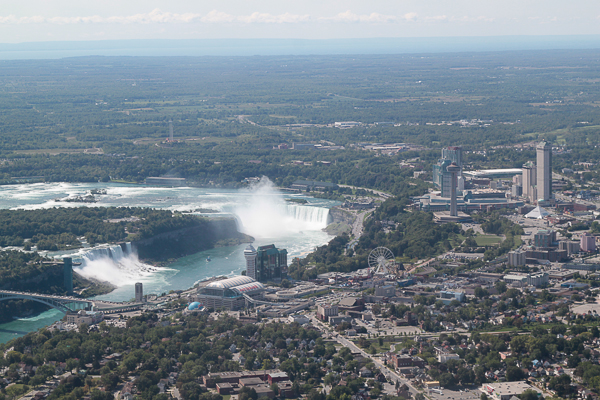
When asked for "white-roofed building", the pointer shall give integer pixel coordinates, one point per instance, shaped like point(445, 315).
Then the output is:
point(494, 173)
point(231, 282)
point(505, 390)
point(537, 213)
point(229, 293)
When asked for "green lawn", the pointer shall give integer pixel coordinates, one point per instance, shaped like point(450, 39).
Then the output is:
point(517, 241)
point(487, 240)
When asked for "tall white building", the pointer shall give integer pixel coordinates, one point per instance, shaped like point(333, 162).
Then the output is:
point(250, 256)
point(453, 169)
point(544, 171)
point(529, 178)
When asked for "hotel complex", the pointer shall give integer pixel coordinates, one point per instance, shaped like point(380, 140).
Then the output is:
point(463, 191)
point(266, 264)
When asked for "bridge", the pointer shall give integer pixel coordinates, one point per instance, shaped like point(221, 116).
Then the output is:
point(66, 304)
point(255, 301)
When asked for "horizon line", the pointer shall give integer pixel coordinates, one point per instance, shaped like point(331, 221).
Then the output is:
point(312, 39)
point(294, 46)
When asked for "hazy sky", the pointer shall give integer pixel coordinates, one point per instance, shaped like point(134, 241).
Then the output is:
point(43, 20)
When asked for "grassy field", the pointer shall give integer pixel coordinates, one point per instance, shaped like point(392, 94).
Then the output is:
point(487, 240)
point(458, 240)
point(518, 241)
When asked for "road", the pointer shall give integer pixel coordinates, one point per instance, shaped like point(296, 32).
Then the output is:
point(389, 374)
point(357, 227)
point(379, 193)
point(423, 264)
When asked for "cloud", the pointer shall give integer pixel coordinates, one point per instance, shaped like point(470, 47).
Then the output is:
point(263, 18)
point(410, 16)
point(349, 16)
point(155, 16)
point(437, 18)
point(216, 17)
point(445, 18)
point(158, 16)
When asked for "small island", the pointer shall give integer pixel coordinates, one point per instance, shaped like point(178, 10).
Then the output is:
point(298, 201)
point(89, 198)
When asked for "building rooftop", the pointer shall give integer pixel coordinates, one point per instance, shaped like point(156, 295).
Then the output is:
point(248, 287)
point(507, 388)
point(493, 172)
point(231, 282)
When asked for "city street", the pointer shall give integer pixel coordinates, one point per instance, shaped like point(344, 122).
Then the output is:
point(390, 375)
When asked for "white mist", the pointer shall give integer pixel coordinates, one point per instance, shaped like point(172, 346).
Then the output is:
point(114, 265)
point(265, 213)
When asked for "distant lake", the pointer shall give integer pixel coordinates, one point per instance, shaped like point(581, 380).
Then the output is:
point(277, 47)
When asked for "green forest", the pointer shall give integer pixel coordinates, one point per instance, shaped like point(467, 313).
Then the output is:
point(106, 118)
point(61, 228)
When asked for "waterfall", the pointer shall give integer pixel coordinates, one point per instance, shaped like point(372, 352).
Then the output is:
point(271, 219)
point(114, 253)
point(117, 264)
point(265, 214)
point(307, 214)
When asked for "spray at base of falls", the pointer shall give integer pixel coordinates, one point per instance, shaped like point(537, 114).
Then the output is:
point(117, 264)
point(266, 214)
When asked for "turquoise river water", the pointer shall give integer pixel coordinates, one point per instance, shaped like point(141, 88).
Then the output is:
point(261, 212)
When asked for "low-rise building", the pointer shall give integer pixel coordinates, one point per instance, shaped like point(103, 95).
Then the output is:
point(446, 296)
point(445, 357)
point(352, 304)
point(339, 319)
point(386, 291)
point(404, 360)
point(505, 390)
point(85, 317)
point(301, 319)
point(431, 384)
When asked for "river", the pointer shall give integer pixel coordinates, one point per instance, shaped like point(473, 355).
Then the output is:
point(261, 211)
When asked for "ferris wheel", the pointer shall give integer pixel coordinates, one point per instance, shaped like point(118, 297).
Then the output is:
point(381, 259)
